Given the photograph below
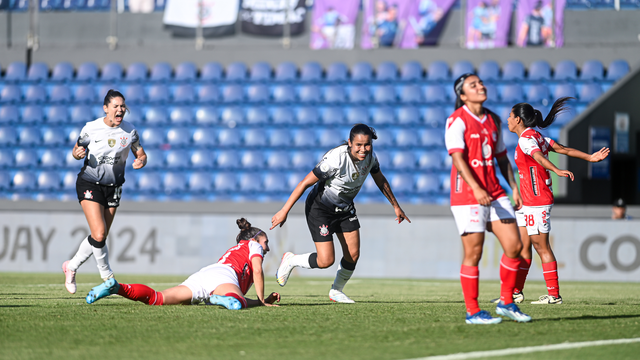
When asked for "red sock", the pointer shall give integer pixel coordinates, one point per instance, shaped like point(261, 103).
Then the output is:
point(523, 271)
point(469, 281)
point(242, 300)
point(508, 275)
point(550, 272)
point(142, 293)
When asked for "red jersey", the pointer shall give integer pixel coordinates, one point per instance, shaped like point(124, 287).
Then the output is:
point(239, 259)
point(535, 182)
point(479, 140)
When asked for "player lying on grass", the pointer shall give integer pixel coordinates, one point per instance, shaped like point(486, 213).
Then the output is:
point(224, 283)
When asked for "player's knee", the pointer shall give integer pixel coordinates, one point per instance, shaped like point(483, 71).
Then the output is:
point(325, 261)
point(355, 255)
point(99, 237)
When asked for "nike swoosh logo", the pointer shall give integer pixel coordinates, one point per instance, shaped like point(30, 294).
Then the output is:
point(97, 140)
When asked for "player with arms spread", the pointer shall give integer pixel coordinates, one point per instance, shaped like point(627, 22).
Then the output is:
point(224, 283)
point(104, 145)
point(474, 139)
point(329, 208)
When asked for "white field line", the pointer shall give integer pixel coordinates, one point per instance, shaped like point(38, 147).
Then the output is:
point(79, 284)
point(528, 349)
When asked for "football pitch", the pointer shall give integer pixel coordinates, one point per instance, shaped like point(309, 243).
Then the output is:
point(392, 319)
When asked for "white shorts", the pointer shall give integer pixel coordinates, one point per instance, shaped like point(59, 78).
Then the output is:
point(205, 281)
point(474, 218)
point(537, 219)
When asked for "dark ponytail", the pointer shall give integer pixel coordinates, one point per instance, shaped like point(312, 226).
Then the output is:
point(533, 117)
point(246, 231)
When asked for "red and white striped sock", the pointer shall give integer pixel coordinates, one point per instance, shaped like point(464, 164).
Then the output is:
point(523, 271)
point(508, 275)
point(550, 272)
point(142, 293)
point(469, 280)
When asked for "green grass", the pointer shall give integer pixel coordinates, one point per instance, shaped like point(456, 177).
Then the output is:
point(392, 319)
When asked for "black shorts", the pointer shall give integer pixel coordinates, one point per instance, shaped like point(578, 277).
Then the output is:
point(323, 222)
point(107, 196)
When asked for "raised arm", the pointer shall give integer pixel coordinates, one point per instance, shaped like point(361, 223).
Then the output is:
point(281, 216)
point(537, 156)
point(507, 172)
point(141, 156)
point(385, 188)
point(595, 157)
point(479, 192)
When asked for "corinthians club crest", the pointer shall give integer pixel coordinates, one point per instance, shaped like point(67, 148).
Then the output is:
point(88, 194)
point(111, 142)
point(324, 230)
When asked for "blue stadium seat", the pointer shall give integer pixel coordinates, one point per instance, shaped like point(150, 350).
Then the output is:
point(206, 115)
point(176, 159)
point(278, 160)
point(184, 93)
point(461, 67)
point(385, 138)
point(513, 71)
point(24, 181)
point(156, 115)
point(304, 138)
point(489, 70)
point(335, 94)
point(387, 71)
point(161, 71)
point(309, 94)
point(492, 93)
point(60, 94)
point(260, 71)
point(283, 94)
point(178, 136)
point(332, 116)
point(211, 71)
point(225, 182)
point(258, 93)
point(174, 183)
point(617, 69)
point(149, 182)
point(181, 115)
point(303, 160)
point(430, 160)
point(562, 90)
point(186, 72)
point(410, 94)
point(408, 115)
point(383, 116)
point(253, 160)
point(280, 138)
point(159, 94)
point(38, 72)
point(6, 158)
point(10, 94)
point(337, 71)
point(229, 137)
point(407, 138)
point(236, 71)
point(134, 116)
point(275, 182)
point(48, 181)
point(33, 114)
point(232, 93)
point(512, 93)
point(153, 136)
point(565, 70)
point(134, 94)
point(200, 182)
point(357, 115)
point(255, 137)
point(592, 70)
point(401, 183)
point(29, 136)
point(438, 71)
point(404, 161)
point(208, 93)
point(286, 71)
point(26, 158)
point(257, 116)
point(202, 159)
point(53, 136)
point(249, 182)
point(362, 71)
point(411, 71)
point(328, 138)
point(9, 114)
point(384, 159)
point(435, 94)
point(427, 184)
point(15, 72)
point(538, 93)
point(359, 94)
point(228, 159)
point(282, 116)
point(111, 72)
point(311, 71)
point(87, 72)
point(52, 158)
point(204, 137)
point(84, 93)
point(432, 138)
point(384, 94)
point(307, 116)
point(590, 92)
point(539, 70)
point(69, 179)
point(137, 72)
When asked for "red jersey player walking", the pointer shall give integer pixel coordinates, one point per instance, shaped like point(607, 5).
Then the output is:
point(474, 140)
point(534, 219)
point(223, 283)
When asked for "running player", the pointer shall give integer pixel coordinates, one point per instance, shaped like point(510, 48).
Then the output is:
point(473, 139)
point(329, 208)
point(104, 144)
point(224, 283)
point(534, 219)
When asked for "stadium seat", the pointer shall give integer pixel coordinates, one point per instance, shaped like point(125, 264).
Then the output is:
point(184, 94)
point(249, 182)
point(255, 137)
point(186, 72)
point(149, 182)
point(200, 182)
point(134, 94)
point(359, 94)
point(303, 160)
point(411, 71)
point(279, 138)
point(307, 116)
point(592, 70)
point(236, 71)
point(257, 116)
point(87, 72)
point(461, 67)
point(384, 159)
point(211, 71)
point(260, 71)
point(384, 94)
point(282, 116)
point(539, 71)
point(33, 114)
point(438, 71)
point(489, 70)
point(60, 94)
point(24, 181)
point(208, 93)
point(513, 71)
point(408, 115)
point(401, 183)
point(510, 139)
point(6, 158)
point(49, 181)
point(410, 94)
point(275, 182)
point(407, 138)
point(69, 179)
point(174, 183)
point(565, 70)
point(178, 136)
point(228, 159)
point(311, 71)
point(225, 182)
point(590, 92)
point(156, 115)
point(332, 115)
point(278, 160)
point(9, 114)
point(617, 69)
point(404, 161)
point(283, 94)
point(10, 94)
point(427, 184)
point(53, 136)
point(382, 116)
point(357, 115)
point(362, 71)
point(432, 138)
point(430, 160)
point(84, 94)
point(29, 136)
point(435, 94)
point(286, 71)
point(538, 93)
point(38, 72)
point(206, 115)
point(203, 137)
point(304, 138)
point(337, 71)
point(15, 72)
point(176, 159)
point(82, 113)
point(258, 93)
point(492, 92)
point(161, 71)
point(334, 94)
point(111, 72)
point(153, 136)
point(229, 137)
point(329, 138)
point(202, 159)
point(26, 158)
point(512, 93)
point(52, 158)
point(181, 115)
point(253, 159)
point(562, 90)
point(385, 138)
point(387, 71)
point(137, 72)
point(434, 116)
point(232, 93)
point(309, 94)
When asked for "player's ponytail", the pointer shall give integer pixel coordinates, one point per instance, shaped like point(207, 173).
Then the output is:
point(246, 230)
point(533, 117)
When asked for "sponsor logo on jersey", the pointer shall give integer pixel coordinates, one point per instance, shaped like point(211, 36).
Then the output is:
point(487, 152)
point(111, 142)
point(353, 218)
point(479, 163)
point(123, 141)
point(355, 175)
point(110, 160)
point(324, 230)
point(475, 136)
point(112, 203)
point(324, 167)
point(88, 194)
point(458, 186)
point(534, 180)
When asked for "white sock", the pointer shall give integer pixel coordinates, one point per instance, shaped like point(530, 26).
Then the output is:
point(342, 276)
point(83, 254)
point(102, 258)
point(301, 260)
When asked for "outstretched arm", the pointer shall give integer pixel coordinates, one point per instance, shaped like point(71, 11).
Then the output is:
point(537, 156)
point(258, 281)
point(595, 157)
point(385, 188)
point(281, 216)
point(507, 171)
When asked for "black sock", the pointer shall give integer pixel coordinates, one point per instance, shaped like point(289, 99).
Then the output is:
point(313, 261)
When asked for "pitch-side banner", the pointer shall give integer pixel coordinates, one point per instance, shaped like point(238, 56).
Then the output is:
point(218, 17)
point(387, 24)
point(536, 24)
point(488, 23)
point(333, 25)
point(267, 17)
point(428, 19)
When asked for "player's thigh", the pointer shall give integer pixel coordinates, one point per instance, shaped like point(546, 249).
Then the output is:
point(94, 212)
point(326, 253)
point(526, 242)
point(177, 295)
point(224, 289)
point(350, 243)
point(109, 215)
point(509, 237)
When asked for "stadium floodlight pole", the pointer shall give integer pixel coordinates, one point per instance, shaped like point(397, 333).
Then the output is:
point(286, 28)
point(32, 36)
point(112, 39)
point(199, 29)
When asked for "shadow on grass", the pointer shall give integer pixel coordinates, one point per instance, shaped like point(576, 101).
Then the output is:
point(15, 306)
point(589, 317)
